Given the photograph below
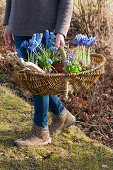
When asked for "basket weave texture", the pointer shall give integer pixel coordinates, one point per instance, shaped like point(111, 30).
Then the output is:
point(58, 83)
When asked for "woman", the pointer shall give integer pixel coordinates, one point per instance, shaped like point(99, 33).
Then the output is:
point(22, 19)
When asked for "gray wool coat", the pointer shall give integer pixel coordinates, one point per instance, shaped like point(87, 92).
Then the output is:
point(26, 17)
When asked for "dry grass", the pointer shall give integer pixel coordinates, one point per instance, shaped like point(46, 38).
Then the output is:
point(2, 4)
point(109, 17)
point(96, 18)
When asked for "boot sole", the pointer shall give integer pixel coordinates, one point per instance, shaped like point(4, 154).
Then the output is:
point(24, 145)
point(46, 143)
point(67, 125)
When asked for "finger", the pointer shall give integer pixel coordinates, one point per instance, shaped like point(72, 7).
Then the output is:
point(9, 39)
point(5, 38)
point(12, 41)
point(57, 43)
point(62, 43)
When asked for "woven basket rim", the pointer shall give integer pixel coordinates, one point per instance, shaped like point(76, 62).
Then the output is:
point(69, 74)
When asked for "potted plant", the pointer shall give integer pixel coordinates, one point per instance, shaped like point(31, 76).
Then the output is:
point(84, 44)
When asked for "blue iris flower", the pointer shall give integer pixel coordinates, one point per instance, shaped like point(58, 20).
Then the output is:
point(50, 43)
point(40, 47)
point(35, 41)
point(78, 39)
point(19, 53)
point(25, 44)
point(84, 40)
point(47, 36)
point(28, 49)
point(39, 37)
point(92, 41)
point(30, 42)
point(52, 37)
point(34, 46)
point(33, 38)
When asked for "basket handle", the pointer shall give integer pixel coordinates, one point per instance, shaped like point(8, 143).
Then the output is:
point(65, 94)
point(64, 56)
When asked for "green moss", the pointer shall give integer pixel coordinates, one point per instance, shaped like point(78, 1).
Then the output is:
point(70, 150)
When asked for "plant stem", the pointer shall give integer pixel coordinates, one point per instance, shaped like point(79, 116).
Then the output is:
point(54, 69)
point(88, 59)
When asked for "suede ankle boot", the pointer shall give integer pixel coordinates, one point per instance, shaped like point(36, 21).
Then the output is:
point(37, 136)
point(61, 121)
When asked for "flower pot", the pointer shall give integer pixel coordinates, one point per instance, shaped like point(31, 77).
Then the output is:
point(88, 67)
point(58, 67)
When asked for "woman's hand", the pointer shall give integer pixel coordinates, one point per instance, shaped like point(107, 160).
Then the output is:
point(8, 38)
point(59, 41)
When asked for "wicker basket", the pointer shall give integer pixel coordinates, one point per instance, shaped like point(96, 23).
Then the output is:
point(57, 83)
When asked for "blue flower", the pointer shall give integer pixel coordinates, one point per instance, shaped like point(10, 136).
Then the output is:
point(33, 38)
point(39, 37)
point(67, 62)
point(84, 40)
point(52, 37)
point(91, 41)
point(67, 56)
point(30, 42)
point(19, 53)
point(28, 49)
point(63, 69)
point(47, 36)
point(40, 46)
point(25, 44)
point(78, 39)
point(34, 46)
point(76, 63)
point(71, 55)
point(50, 43)
point(35, 41)
point(49, 61)
point(52, 48)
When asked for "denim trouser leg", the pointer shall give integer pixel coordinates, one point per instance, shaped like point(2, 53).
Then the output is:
point(55, 105)
point(41, 103)
point(41, 106)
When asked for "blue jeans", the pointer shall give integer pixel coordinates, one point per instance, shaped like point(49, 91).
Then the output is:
point(41, 103)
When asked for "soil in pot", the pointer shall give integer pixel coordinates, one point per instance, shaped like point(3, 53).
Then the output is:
point(58, 67)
